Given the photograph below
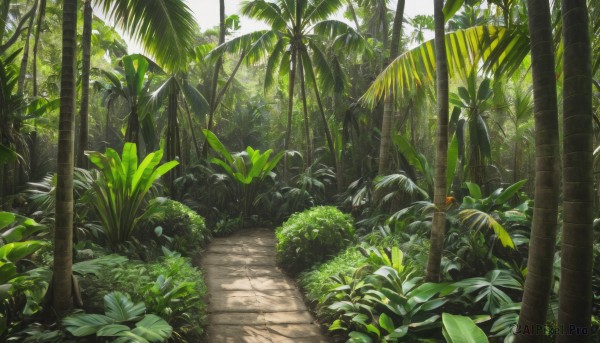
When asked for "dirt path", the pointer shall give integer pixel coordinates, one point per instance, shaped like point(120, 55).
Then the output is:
point(250, 299)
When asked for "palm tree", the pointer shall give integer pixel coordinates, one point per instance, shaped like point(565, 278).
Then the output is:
point(388, 105)
point(290, 42)
point(575, 300)
point(420, 23)
point(543, 232)
point(62, 299)
point(86, 42)
point(438, 225)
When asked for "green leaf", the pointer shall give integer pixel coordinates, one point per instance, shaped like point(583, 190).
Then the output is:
point(509, 192)
point(216, 144)
point(359, 337)
point(6, 218)
point(386, 323)
point(18, 250)
point(112, 330)
point(120, 308)
point(86, 324)
point(452, 162)
point(460, 329)
point(474, 190)
point(153, 328)
point(7, 155)
point(451, 7)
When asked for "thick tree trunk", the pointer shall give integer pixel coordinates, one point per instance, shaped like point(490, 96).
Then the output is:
point(543, 231)
point(438, 225)
point(172, 138)
point(578, 183)
point(82, 146)
point(388, 104)
point(63, 232)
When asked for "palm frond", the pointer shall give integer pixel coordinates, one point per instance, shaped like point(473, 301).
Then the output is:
point(416, 68)
point(265, 11)
point(166, 28)
point(320, 10)
point(236, 45)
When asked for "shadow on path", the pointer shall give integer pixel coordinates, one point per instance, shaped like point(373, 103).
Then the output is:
point(250, 299)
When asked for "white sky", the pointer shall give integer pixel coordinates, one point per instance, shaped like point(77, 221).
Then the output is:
point(207, 15)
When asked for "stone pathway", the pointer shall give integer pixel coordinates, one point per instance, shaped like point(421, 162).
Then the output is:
point(250, 299)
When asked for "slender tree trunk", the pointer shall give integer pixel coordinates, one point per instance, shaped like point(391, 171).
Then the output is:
point(388, 104)
point(215, 79)
point(288, 131)
point(192, 132)
point(63, 231)
point(308, 158)
point(82, 146)
point(25, 58)
point(438, 225)
point(336, 161)
point(38, 30)
point(578, 183)
point(132, 134)
point(543, 231)
point(172, 134)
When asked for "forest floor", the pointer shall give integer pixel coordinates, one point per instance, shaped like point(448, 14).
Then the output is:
point(249, 299)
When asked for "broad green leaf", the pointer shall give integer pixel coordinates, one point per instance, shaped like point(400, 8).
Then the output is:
point(386, 323)
point(6, 218)
point(153, 328)
point(216, 144)
point(509, 192)
point(86, 324)
point(120, 308)
point(18, 250)
point(460, 329)
point(474, 190)
point(112, 330)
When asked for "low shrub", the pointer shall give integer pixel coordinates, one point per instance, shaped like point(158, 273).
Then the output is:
point(176, 225)
point(317, 281)
point(312, 236)
point(171, 288)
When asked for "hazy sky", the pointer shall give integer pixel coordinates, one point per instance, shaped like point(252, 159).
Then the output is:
point(207, 14)
point(207, 11)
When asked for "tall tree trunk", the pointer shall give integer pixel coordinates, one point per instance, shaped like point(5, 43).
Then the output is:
point(336, 161)
point(38, 30)
point(353, 13)
point(172, 139)
point(438, 226)
point(308, 158)
point(578, 183)
point(543, 231)
point(192, 132)
point(63, 232)
point(288, 131)
point(86, 42)
point(107, 123)
point(25, 57)
point(215, 80)
point(388, 104)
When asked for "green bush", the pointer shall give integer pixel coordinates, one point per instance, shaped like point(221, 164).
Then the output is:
point(182, 228)
point(317, 281)
point(171, 288)
point(312, 236)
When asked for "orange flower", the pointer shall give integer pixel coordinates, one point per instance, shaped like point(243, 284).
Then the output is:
point(450, 200)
